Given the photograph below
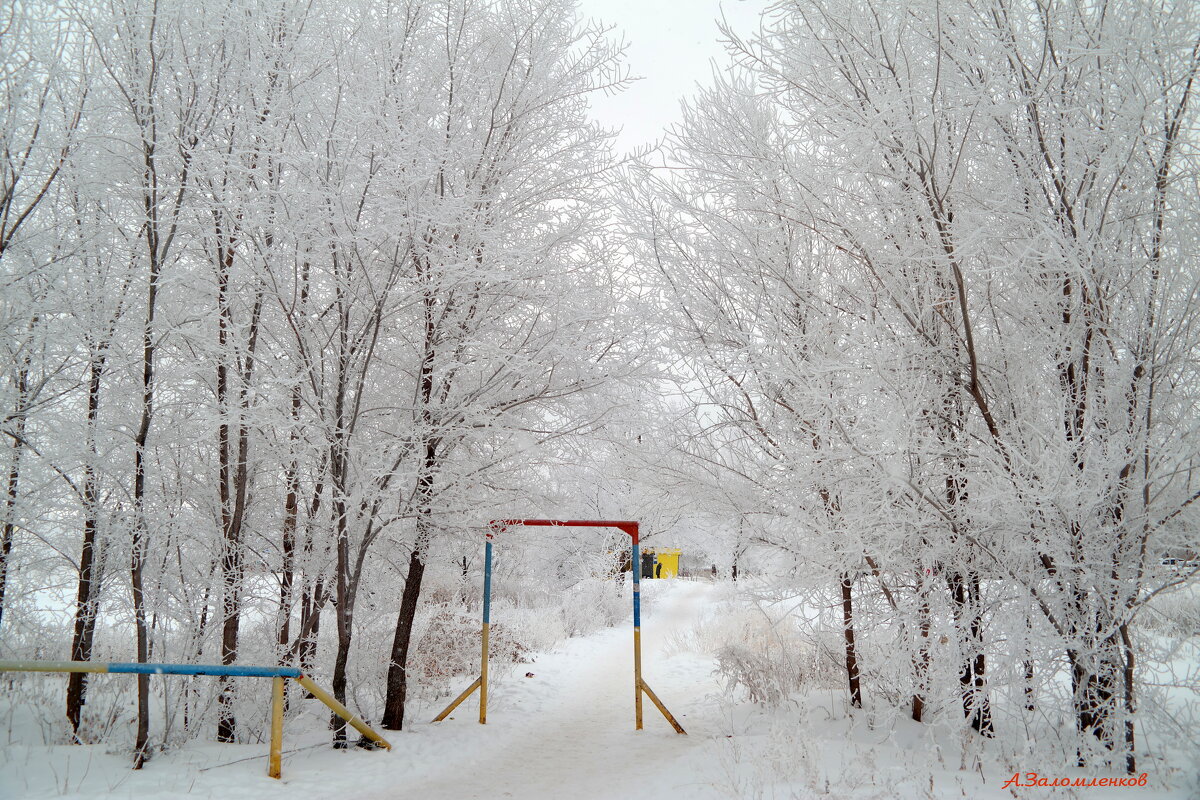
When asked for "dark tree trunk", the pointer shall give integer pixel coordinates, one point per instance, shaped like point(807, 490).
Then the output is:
point(287, 568)
point(964, 592)
point(343, 612)
point(140, 541)
point(10, 503)
point(848, 631)
point(1101, 680)
point(230, 547)
point(14, 480)
point(397, 678)
point(233, 468)
point(313, 599)
point(86, 597)
point(921, 657)
point(305, 645)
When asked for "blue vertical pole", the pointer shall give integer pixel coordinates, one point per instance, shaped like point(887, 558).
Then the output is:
point(637, 636)
point(487, 582)
point(637, 578)
point(487, 622)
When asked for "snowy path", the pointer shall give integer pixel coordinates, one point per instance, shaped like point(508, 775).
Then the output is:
point(570, 728)
point(565, 734)
point(568, 732)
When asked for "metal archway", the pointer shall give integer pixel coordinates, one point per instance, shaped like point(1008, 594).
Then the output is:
point(639, 684)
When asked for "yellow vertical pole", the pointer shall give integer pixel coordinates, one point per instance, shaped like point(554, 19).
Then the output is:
point(637, 675)
point(483, 677)
point(274, 767)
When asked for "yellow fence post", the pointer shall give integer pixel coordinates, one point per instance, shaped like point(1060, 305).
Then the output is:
point(275, 767)
point(637, 677)
point(483, 678)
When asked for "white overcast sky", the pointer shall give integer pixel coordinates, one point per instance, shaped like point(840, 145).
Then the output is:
point(671, 45)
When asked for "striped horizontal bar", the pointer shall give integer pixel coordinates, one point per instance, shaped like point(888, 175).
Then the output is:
point(149, 669)
point(53, 666)
point(627, 525)
point(205, 669)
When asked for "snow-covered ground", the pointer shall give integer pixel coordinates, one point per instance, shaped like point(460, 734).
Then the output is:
point(568, 732)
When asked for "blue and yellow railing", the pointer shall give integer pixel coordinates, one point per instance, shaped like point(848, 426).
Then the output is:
point(278, 676)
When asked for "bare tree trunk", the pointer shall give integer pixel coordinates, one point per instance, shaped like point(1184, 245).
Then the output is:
point(852, 678)
point(86, 597)
point(342, 614)
point(1101, 675)
point(198, 653)
point(921, 657)
point(231, 548)
point(287, 569)
point(14, 478)
point(140, 533)
point(397, 678)
point(1128, 676)
point(234, 481)
point(1027, 665)
point(397, 681)
point(344, 611)
point(303, 650)
point(964, 592)
point(291, 518)
point(305, 646)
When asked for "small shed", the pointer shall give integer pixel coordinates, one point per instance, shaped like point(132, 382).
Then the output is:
point(666, 562)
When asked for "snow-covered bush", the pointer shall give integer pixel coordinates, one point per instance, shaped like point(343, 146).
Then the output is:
point(761, 651)
point(1175, 613)
point(592, 603)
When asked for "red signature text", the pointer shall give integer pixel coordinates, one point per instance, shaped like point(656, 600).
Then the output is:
point(1033, 779)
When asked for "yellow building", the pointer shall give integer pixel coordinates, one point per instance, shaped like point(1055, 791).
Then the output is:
point(666, 561)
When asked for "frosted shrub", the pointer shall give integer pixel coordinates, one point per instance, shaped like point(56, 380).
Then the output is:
point(770, 661)
point(762, 652)
point(590, 604)
point(1175, 613)
point(449, 646)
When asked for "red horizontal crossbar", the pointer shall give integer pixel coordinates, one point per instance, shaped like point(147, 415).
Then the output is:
point(627, 526)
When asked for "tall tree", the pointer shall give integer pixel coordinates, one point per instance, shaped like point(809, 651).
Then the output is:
point(994, 193)
point(513, 202)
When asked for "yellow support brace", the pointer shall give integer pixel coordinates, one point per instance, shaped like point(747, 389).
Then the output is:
point(343, 712)
point(654, 698)
point(446, 712)
point(275, 766)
